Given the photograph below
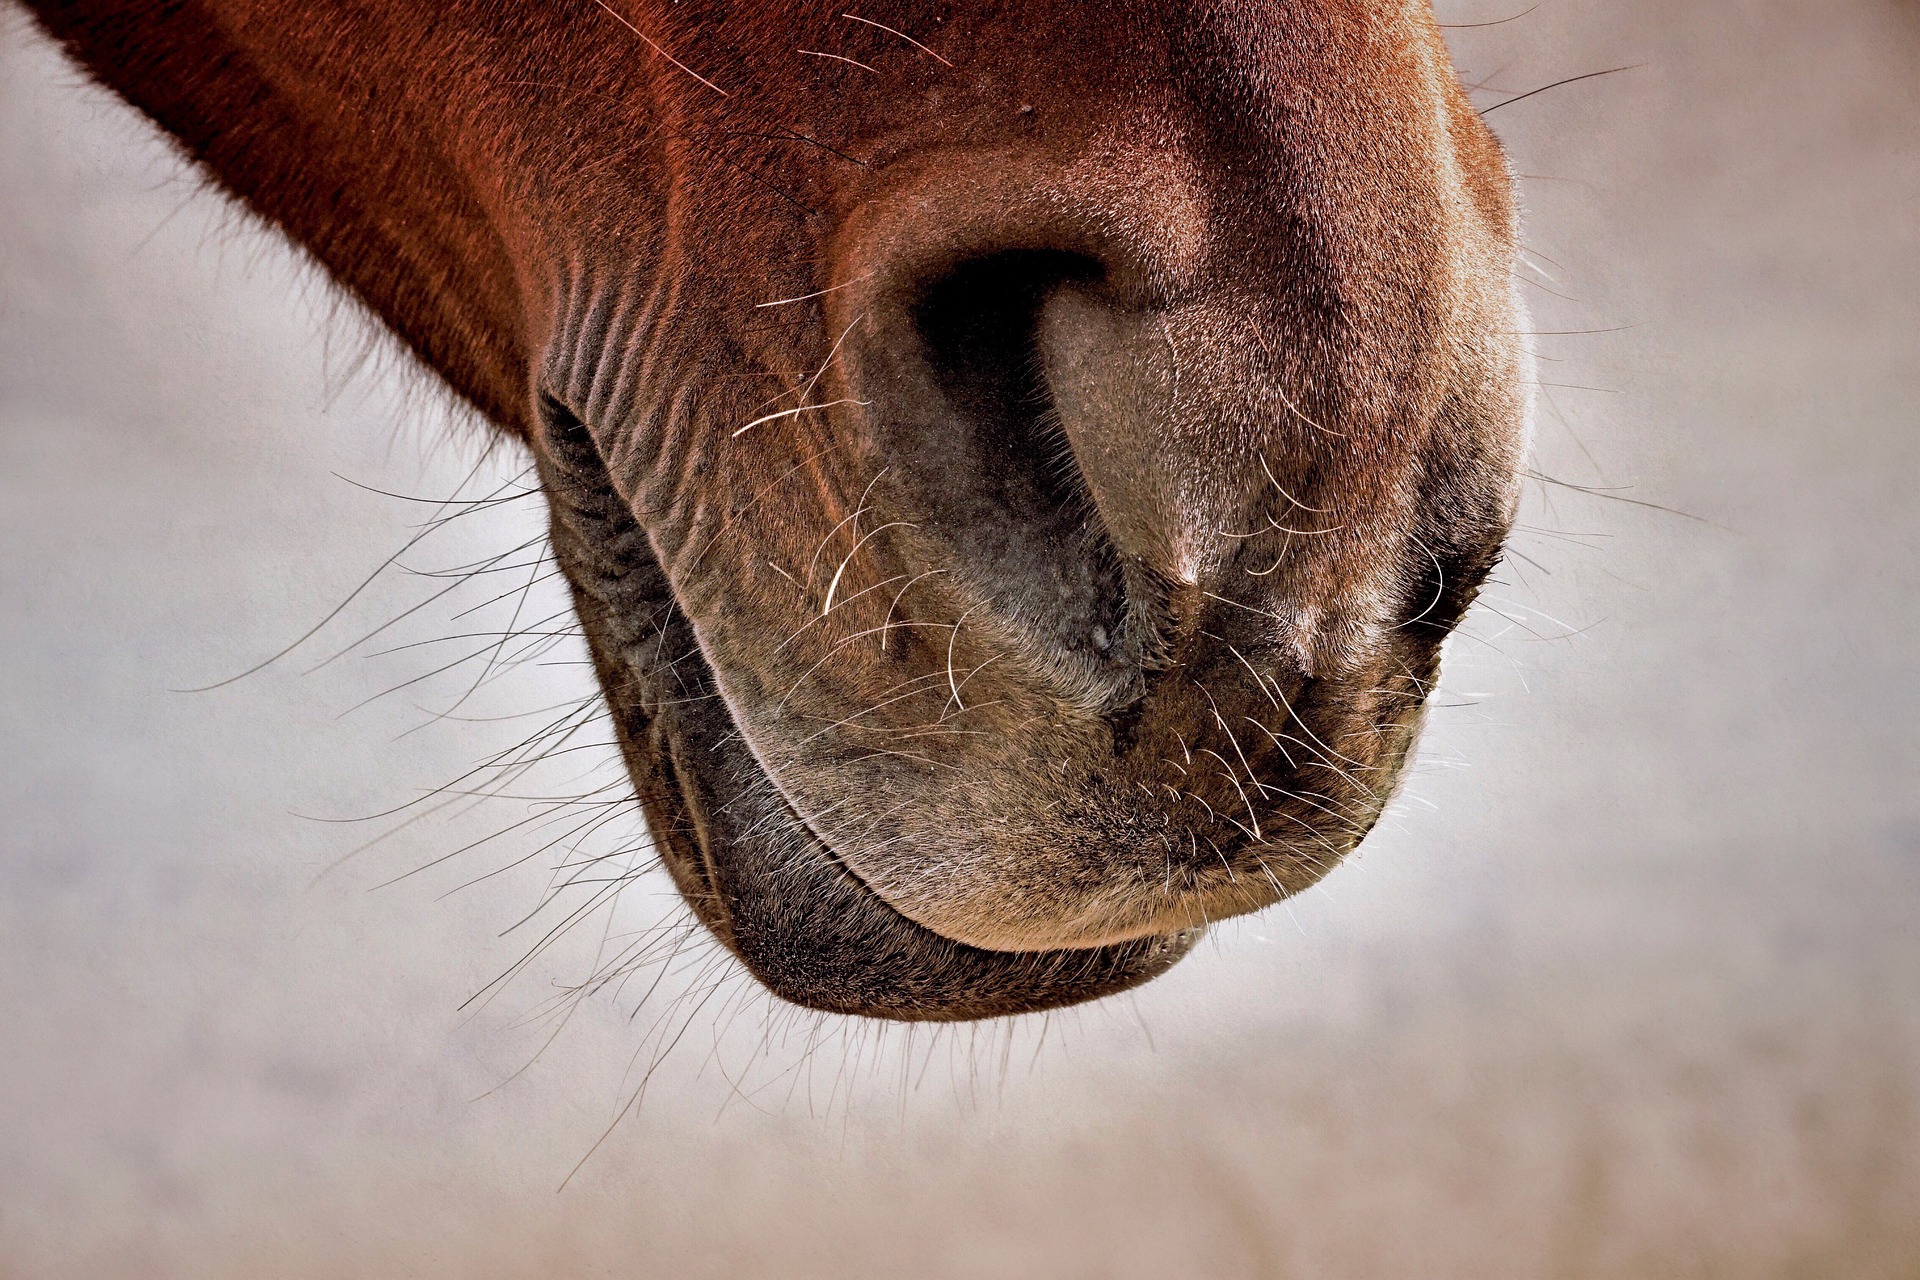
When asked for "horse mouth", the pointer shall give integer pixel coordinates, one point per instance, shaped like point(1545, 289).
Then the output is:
point(747, 863)
point(849, 876)
point(780, 899)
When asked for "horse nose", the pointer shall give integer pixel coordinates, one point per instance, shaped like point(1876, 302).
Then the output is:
point(1019, 386)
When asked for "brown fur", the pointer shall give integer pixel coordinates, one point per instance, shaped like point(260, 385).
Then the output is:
point(1016, 463)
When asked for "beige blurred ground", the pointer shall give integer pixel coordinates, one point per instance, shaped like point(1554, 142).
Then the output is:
point(1628, 987)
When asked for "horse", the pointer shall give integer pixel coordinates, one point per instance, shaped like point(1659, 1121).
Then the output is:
point(1015, 466)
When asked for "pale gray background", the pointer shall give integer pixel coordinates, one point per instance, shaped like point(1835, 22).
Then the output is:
point(1626, 987)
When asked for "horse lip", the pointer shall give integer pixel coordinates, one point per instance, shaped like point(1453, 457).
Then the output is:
point(877, 961)
point(803, 925)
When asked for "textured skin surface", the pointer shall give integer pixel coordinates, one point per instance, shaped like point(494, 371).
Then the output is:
point(1626, 984)
point(1063, 563)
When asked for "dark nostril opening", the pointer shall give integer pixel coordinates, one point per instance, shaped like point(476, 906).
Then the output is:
point(1445, 584)
point(978, 322)
point(1015, 493)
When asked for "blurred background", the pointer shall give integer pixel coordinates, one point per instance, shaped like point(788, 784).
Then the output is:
point(1628, 984)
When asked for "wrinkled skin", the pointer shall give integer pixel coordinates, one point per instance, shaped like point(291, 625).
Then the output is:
point(1016, 464)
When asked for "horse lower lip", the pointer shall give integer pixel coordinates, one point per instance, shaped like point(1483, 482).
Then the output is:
point(810, 930)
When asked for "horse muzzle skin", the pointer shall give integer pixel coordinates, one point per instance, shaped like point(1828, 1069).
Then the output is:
point(1016, 466)
point(1077, 574)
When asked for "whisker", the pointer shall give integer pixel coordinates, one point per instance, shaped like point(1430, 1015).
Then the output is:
point(854, 17)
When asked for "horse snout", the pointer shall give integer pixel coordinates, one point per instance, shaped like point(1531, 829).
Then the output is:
point(1066, 684)
point(1079, 574)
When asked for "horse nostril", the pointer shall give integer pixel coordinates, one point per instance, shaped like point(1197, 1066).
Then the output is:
point(978, 322)
point(1000, 474)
